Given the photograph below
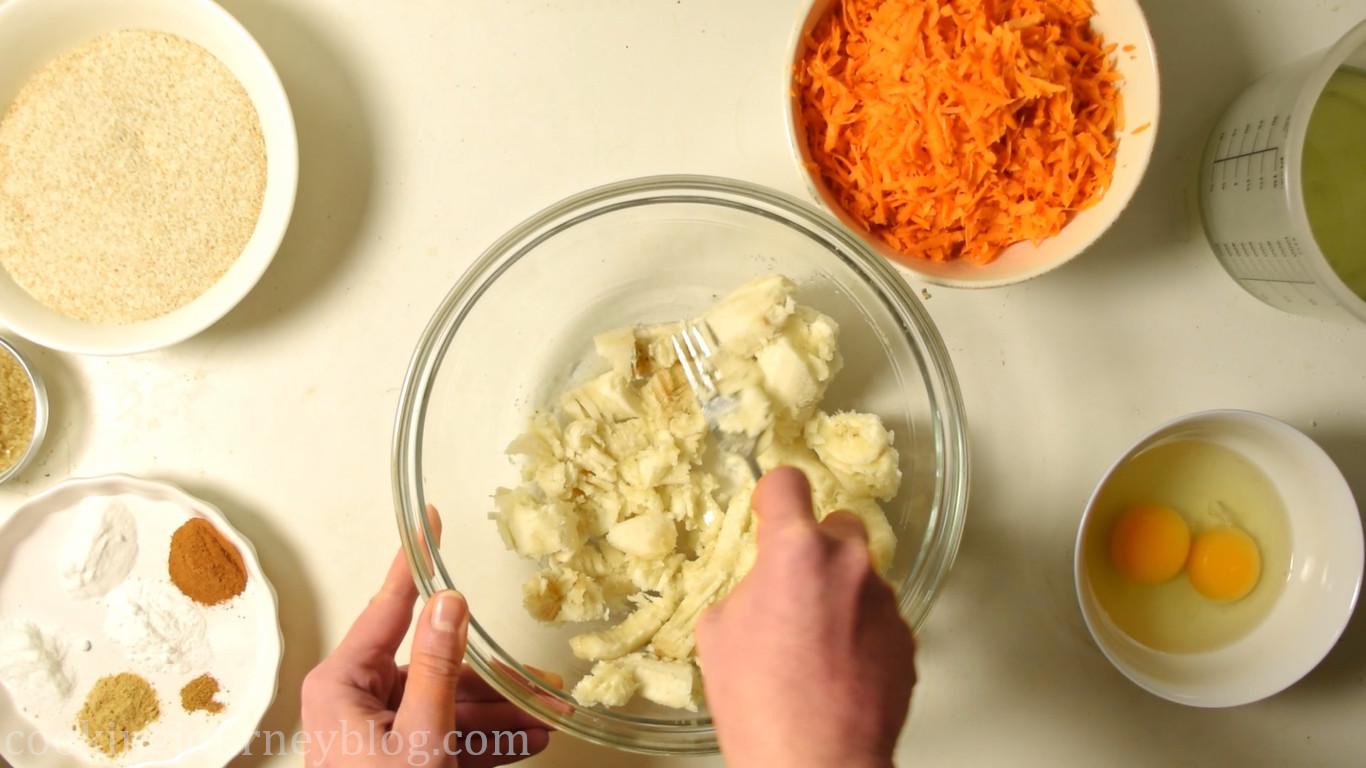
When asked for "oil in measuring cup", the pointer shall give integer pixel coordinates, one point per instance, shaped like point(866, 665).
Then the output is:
point(1283, 184)
point(1334, 179)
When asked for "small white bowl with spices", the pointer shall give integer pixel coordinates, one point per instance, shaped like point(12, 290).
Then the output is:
point(148, 169)
point(132, 586)
point(23, 412)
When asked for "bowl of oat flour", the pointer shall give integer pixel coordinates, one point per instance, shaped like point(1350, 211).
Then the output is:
point(148, 168)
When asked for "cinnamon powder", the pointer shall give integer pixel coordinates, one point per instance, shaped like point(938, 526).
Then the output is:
point(205, 565)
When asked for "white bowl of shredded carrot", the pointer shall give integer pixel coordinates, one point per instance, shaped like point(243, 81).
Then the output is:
point(976, 143)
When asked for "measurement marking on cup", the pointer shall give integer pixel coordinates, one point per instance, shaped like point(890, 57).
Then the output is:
point(1266, 262)
point(1276, 280)
point(1247, 156)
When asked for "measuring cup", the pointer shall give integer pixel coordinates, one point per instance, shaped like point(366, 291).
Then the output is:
point(1251, 192)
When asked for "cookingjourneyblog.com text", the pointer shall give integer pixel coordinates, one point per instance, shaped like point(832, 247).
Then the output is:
point(349, 740)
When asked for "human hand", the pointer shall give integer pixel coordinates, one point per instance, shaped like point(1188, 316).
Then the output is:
point(360, 708)
point(807, 662)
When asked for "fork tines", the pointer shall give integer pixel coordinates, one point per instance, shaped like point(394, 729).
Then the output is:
point(694, 350)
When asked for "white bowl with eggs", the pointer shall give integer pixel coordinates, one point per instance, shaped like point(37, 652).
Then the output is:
point(1124, 25)
point(32, 34)
point(1313, 570)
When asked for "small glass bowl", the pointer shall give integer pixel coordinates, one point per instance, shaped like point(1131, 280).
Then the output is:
point(40, 413)
point(519, 324)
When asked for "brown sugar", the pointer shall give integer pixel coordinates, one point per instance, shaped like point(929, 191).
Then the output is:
point(17, 415)
point(204, 564)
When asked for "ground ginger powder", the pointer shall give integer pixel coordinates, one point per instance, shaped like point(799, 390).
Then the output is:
point(116, 709)
point(198, 695)
point(204, 564)
point(132, 174)
point(17, 411)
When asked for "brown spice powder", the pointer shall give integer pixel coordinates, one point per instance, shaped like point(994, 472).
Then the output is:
point(117, 708)
point(17, 414)
point(205, 565)
point(198, 695)
point(132, 174)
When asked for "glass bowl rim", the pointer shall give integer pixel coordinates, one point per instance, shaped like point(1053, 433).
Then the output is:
point(505, 674)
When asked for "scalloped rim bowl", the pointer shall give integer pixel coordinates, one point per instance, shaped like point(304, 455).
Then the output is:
point(240, 723)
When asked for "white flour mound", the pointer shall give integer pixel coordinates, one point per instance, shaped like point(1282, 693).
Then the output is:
point(101, 548)
point(33, 665)
point(158, 626)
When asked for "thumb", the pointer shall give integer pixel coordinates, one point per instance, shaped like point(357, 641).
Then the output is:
point(438, 652)
point(782, 501)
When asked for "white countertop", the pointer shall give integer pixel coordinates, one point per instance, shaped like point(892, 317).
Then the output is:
point(430, 127)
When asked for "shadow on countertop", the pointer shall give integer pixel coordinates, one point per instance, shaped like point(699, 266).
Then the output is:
point(569, 752)
point(1344, 668)
point(303, 646)
point(1164, 210)
point(336, 164)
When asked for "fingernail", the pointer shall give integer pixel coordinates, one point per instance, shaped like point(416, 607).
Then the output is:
point(449, 612)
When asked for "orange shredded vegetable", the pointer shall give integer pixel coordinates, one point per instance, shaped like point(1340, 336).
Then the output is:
point(955, 128)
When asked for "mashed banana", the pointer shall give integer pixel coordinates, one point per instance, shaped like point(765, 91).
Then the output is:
point(629, 514)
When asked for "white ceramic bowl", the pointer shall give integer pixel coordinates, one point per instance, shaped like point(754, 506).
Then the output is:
point(1122, 23)
point(30, 541)
point(1319, 594)
point(32, 33)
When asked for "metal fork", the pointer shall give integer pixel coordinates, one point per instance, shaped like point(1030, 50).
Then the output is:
point(695, 345)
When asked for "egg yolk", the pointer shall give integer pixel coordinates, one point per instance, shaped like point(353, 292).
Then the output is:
point(1149, 544)
point(1224, 564)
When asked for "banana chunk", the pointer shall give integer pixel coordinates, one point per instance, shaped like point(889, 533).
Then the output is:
point(669, 683)
point(559, 595)
point(857, 448)
point(650, 535)
point(618, 347)
point(535, 528)
point(799, 363)
point(632, 634)
point(613, 682)
point(608, 397)
point(751, 314)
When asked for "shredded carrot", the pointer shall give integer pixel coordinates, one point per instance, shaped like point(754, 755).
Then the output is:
point(955, 128)
point(1130, 48)
point(1140, 129)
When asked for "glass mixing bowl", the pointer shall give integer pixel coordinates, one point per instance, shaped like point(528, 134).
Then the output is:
point(517, 329)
